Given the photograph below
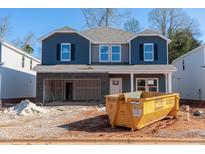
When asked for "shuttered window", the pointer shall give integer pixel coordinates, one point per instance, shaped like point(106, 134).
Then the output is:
point(148, 51)
point(65, 51)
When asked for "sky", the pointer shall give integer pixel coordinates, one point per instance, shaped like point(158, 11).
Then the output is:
point(43, 21)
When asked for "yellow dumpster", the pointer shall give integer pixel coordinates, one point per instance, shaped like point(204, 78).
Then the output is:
point(138, 109)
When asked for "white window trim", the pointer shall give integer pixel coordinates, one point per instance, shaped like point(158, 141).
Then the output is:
point(100, 59)
point(119, 53)
point(149, 52)
point(68, 52)
point(146, 83)
point(109, 53)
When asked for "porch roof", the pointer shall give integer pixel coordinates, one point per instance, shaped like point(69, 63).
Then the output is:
point(123, 69)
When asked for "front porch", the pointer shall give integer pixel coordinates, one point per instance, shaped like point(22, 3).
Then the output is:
point(157, 82)
point(72, 83)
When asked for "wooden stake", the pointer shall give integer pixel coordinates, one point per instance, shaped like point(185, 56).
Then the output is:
point(187, 110)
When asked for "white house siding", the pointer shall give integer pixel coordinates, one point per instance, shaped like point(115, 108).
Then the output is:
point(189, 81)
point(16, 82)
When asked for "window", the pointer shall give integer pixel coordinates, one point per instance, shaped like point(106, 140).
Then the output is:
point(116, 53)
point(23, 61)
point(147, 84)
point(148, 52)
point(109, 53)
point(104, 53)
point(65, 51)
point(31, 64)
point(183, 66)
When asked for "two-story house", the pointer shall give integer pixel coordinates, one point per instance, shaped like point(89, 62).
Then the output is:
point(86, 66)
point(189, 79)
point(17, 78)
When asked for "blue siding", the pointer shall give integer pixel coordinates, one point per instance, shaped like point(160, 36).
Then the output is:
point(162, 49)
point(49, 48)
point(0, 53)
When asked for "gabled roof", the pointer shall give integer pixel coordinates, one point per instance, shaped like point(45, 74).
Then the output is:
point(16, 49)
point(65, 29)
point(108, 35)
point(190, 52)
point(148, 32)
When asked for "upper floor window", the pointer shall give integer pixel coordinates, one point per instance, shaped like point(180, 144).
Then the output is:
point(109, 53)
point(23, 61)
point(104, 53)
point(31, 64)
point(183, 65)
point(116, 53)
point(65, 51)
point(148, 51)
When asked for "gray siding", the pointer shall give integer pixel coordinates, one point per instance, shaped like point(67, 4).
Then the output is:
point(124, 54)
point(161, 77)
point(49, 48)
point(162, 49)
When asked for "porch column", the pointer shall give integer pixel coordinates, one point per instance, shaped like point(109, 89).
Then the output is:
point(166, 83)
point(132, 82)
point(169, 82)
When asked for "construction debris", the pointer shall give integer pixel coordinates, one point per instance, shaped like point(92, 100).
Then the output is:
point(67, 122)
point(198, 113)
point(26, 108)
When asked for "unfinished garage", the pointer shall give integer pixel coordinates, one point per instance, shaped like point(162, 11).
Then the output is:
point(72, 90)
point(66, 87)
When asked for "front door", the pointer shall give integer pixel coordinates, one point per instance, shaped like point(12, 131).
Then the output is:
point(69, 91)
point(115, 85)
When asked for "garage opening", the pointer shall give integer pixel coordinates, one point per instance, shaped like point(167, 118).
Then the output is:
point(68, 90)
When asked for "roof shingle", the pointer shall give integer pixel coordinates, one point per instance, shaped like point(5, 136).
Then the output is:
point(108, 34)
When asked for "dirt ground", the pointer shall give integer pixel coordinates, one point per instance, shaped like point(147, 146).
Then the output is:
point(91, 121)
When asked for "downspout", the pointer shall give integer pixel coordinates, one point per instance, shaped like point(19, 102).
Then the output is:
point(167, 53)
point(1, 63)
point(129, 52)
point(89, 53)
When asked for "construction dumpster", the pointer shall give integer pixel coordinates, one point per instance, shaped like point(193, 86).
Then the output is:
point(138, 109)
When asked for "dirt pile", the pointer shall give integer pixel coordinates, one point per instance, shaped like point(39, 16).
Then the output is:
point(26, 108)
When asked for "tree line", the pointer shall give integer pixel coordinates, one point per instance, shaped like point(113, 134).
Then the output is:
point(173, 23)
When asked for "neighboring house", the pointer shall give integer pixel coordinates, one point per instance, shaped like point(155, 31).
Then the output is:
point(189, 80)
point(86, 66)
point(17, 79)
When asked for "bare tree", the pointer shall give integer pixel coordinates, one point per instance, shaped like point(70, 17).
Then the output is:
point(132, 25)
point(102, 17)
point(27, 43)
point(4, 26)
point(170, 20)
